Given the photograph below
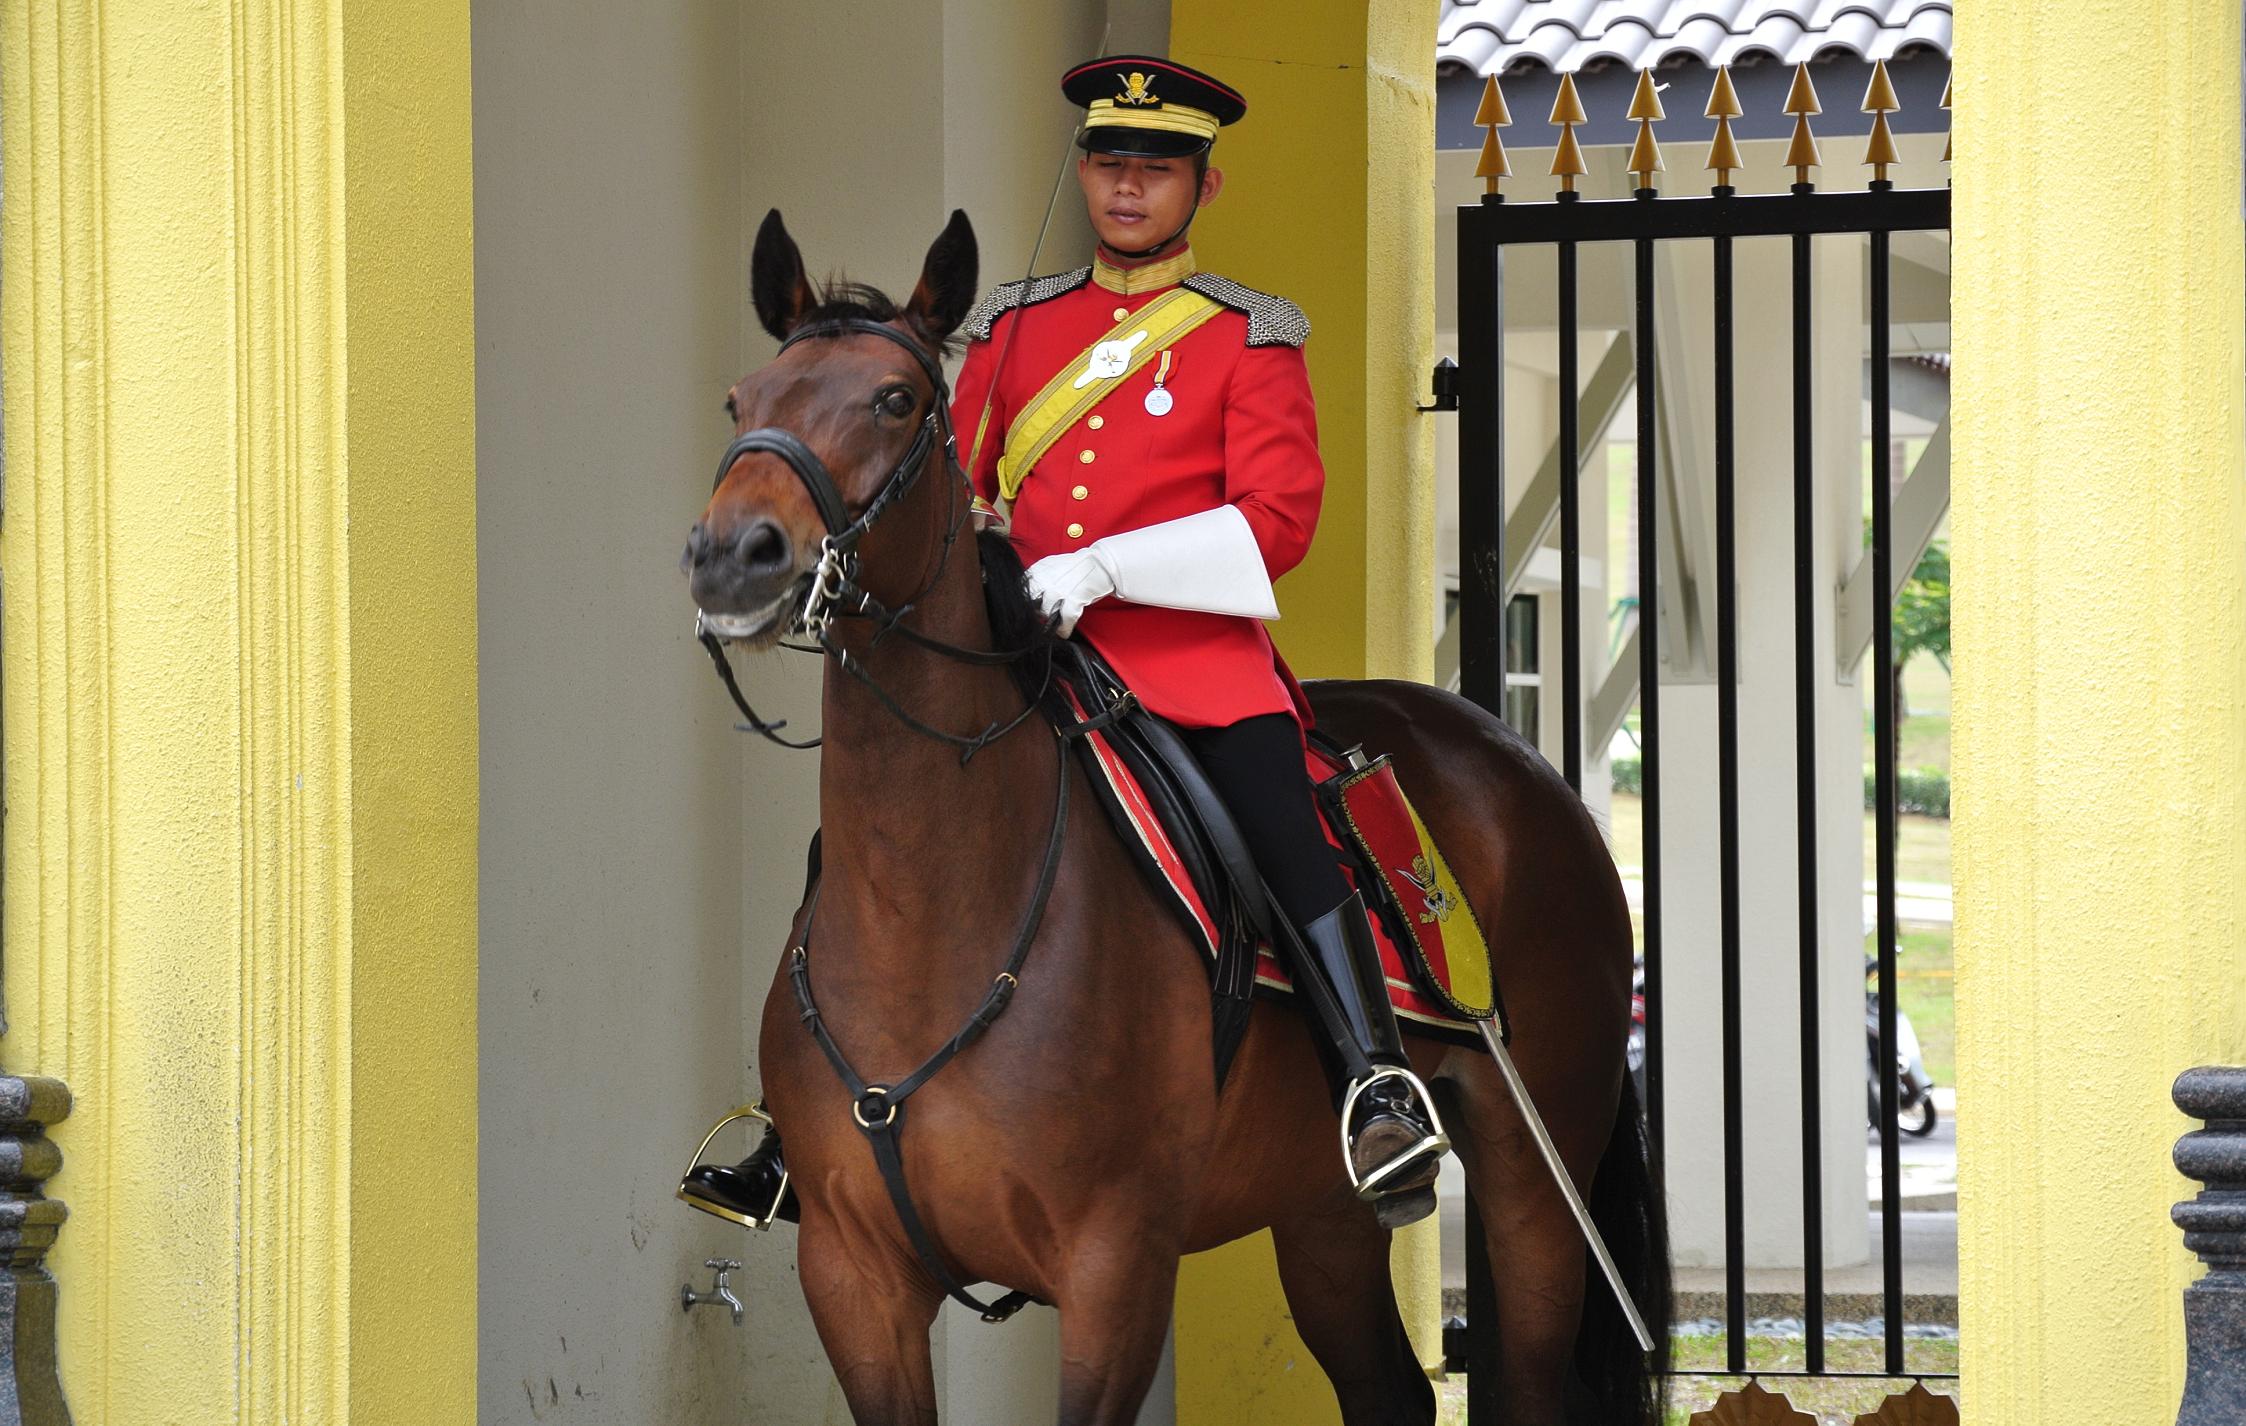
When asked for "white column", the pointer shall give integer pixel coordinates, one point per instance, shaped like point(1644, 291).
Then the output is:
point(1769, 920)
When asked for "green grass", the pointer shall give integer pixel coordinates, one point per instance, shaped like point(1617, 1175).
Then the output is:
point(1923, 991)
point(1835, 1401)
point(1922, 849)
point(1925, 742)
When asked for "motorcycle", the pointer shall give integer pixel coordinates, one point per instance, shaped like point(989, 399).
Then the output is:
point(1914, 1087)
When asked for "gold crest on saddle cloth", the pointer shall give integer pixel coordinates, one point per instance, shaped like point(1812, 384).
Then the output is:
point(1442, 941)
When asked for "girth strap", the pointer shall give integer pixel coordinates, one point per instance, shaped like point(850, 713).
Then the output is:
point(878, 1109)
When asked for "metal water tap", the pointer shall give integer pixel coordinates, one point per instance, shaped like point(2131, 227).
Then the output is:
point(720, 1290)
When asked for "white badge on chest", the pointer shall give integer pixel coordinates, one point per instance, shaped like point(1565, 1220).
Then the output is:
point(1109, 360)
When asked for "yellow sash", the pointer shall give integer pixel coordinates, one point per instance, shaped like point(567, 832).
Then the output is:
point(1063, 402)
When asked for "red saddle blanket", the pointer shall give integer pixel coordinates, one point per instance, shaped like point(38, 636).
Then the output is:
point(1437, 964)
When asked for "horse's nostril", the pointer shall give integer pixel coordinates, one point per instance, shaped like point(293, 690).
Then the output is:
point(697, 544)
point(762, 546)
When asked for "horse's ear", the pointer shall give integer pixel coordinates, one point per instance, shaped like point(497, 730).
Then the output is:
point(947, 282)
point(777, 285)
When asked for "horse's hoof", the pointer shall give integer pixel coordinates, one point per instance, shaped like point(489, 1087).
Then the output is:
point(1398, 1210)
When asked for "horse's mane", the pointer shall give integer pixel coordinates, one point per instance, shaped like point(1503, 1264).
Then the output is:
point(840, 299)
point(1015, 620)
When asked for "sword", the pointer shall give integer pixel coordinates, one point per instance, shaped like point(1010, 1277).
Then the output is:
point(1052, 200)
point(1551, 1152)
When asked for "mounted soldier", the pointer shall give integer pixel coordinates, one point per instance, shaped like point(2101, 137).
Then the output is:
point(1145, 434)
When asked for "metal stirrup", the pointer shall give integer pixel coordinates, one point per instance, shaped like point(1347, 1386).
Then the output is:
point(1435, 1141)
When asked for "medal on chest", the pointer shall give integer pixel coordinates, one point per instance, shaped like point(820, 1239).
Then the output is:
point(1159, 401)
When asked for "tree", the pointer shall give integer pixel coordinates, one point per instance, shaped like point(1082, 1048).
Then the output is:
point(1922, 610)
point(1922, 618)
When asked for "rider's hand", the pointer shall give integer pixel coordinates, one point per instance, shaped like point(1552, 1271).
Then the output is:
point(1064, 584)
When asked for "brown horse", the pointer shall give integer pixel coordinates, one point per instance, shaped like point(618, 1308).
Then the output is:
point(1081, 1147)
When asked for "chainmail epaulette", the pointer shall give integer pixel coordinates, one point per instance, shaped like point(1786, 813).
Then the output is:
point(1272, 321)
point(1007, 296)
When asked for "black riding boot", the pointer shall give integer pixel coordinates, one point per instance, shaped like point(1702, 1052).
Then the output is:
point(1396, 1143)
point(754, 1191)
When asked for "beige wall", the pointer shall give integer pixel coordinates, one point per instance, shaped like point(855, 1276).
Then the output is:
point(640, 859)
point(607, 286)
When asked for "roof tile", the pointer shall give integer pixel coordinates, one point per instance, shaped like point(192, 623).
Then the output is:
point(1491, 36)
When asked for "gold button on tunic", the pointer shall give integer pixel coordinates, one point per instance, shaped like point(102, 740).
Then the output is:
point(1076, 532)
point(1096, 422)
point(1084, 456)
point(1080, 492)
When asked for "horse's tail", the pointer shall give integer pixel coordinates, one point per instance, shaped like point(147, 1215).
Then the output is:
point(1621, 1384)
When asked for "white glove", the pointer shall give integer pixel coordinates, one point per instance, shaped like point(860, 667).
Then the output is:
point(1207, 561)
point(1065, 584)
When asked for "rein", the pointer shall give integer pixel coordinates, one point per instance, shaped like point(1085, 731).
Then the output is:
point(835, 592)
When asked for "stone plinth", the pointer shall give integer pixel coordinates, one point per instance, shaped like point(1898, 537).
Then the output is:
point(2214, 1227)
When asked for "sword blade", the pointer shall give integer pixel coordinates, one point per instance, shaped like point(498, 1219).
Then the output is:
point(1551, 1152)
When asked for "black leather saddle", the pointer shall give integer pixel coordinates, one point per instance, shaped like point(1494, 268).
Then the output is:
point(1201, 829)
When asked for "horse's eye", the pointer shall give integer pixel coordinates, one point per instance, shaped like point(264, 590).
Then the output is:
point(896, 401)
point(732, 409)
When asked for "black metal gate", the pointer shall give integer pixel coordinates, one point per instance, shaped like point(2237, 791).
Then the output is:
point(1716, 219)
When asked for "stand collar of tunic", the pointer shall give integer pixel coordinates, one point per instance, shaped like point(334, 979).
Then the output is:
point(1145, 277)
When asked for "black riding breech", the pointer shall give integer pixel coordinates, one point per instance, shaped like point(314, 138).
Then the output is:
point(1257, 767)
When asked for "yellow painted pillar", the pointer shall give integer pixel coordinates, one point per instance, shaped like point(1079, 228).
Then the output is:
point(1326, 202)
point(239, 657)
point(2099, 714)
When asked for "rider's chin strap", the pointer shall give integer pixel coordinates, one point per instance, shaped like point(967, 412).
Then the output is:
point(1160, 246)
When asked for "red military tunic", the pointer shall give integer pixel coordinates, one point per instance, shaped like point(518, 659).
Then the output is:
point(1240, 430)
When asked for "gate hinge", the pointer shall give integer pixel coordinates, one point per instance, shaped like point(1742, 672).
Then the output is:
point(1446, 387)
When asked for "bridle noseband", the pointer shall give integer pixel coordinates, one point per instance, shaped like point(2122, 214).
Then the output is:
point(835, 591)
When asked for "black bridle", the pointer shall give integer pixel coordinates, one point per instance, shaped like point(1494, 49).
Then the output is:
point(835, 591)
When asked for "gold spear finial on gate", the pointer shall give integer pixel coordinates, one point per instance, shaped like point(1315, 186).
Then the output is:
point(1492, 116)
point(1801, 102)
point(1645, 154)
point(1567, 112)
point(1946, 139)
point(1723, 107)
point(1879, 102)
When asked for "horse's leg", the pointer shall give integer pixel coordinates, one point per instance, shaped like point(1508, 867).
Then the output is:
point(873, 1319)
point(1538, 1262)
point(1115, 1312)
point(1335, 1271)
